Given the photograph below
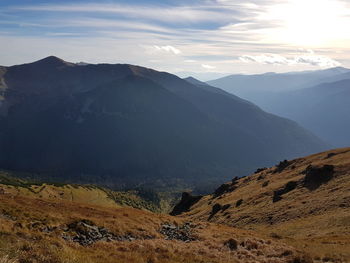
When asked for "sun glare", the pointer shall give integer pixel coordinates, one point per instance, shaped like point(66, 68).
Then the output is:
point(310, 22)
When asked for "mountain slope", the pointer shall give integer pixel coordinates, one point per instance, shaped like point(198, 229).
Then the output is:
point(127, 125)
point(304, 202)
point(323, 109)
point(47, 228)
point(13, 185)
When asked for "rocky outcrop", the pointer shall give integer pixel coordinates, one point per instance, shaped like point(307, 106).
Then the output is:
point(181, 233)
point(87, 233)
point(290, 186)
point(187, 200)
point(281, 166)
point(225, 188)
point(316, 176)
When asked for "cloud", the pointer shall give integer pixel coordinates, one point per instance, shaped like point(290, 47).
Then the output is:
point(200, 35)
point(320, 61)
point(168, 49)
point(265, 59)
point(308, 59)
point(208, 66)
point(178, 14)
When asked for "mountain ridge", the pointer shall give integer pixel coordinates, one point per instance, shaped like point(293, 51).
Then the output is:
point(144, 123)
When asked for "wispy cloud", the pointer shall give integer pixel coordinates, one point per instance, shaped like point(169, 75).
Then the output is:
point(178, 14)
point(308, 59)
point(209, 35)
point(206, 66)
point(169, 49)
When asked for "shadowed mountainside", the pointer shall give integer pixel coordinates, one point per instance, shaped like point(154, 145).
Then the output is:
point(127, 125)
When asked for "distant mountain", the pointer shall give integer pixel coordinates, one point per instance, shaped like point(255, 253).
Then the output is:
point(195, 81)
point(323, 109)
point(257, 87)
point(124, 125)
point(318, 100)
point(203, 76)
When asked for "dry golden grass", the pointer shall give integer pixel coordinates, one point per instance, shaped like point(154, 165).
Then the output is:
point(317, 220)
point(81, 194)
point(6, 259)
point(23, 240)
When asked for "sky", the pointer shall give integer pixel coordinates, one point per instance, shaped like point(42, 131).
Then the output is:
point(204, 38)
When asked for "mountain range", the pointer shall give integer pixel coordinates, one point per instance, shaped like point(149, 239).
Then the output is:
point(122, 125)
point(317, 100)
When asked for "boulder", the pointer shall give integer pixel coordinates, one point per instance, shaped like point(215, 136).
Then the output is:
point(187, 201)
point(277, 194)
point(315, 176)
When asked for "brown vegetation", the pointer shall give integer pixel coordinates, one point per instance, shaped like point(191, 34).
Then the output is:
point(45, 230)
point(304, 202)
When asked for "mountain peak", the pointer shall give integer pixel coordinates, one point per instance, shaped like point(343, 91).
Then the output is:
point(340, 69)
point(195, 81)
point(53, 61)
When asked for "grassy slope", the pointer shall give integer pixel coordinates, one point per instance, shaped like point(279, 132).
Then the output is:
point(23, 215)
point(85, 194)
point(315, 220)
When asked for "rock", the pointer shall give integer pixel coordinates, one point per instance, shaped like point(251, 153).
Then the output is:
point(225, 188)
point(215, 209)
point(260, 170)
point(187, 201)
point(266, 183)
point(86, 233)
point(260, 177)
point(232, 244)
point(330, 155)
point(239, 202)
point(277, 194)
point(281, 166)
point(315, 176)
point(181, 233)
point(225, 207)
point(235, 180)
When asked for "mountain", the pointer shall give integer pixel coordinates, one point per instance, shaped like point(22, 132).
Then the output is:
point(252, 87)
point(125, 126)
point(204, 76)
point(317, 100)
point(195, 81)
point(46, 223)
point(304, 202)
point(323, 109)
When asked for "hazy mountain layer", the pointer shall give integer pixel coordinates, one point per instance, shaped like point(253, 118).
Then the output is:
point(319, 100)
